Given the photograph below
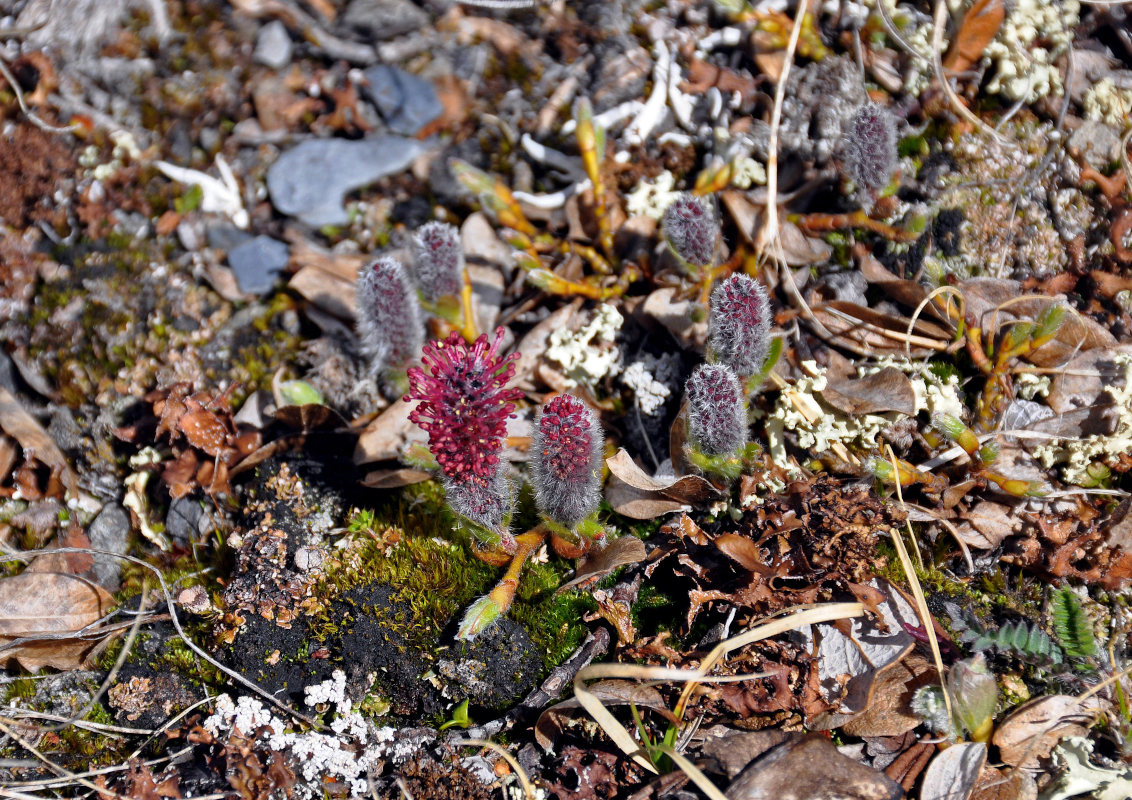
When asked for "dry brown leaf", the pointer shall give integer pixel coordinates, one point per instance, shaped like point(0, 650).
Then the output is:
point(328, 292)
point(635, 503)
point(385, 437)
point(1033, 729)
point(8, 454)
point(811, 767)
point(618, 553)
point(39, 604)
point(953, 772)
point(869, 332)
point(689, 489)
point(986, 525)
point(31, 436)
point(394, 478)
point(889, 710)
point(1081, 382)
point(979, 27)
point(997, 784)
point(887, 390)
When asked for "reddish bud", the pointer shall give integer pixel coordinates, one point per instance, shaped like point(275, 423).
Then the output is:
point(566, 461)
point(439, 258)
point(739, 324)
point(717, 415)
point(692, 231)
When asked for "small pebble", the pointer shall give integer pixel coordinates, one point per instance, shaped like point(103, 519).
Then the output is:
point(407, 103)
point(273, 45)
point(256, 263)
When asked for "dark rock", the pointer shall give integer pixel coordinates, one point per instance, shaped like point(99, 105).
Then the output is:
point(109, 531)
point(407, 102)
point(311, 181)
point(273, 45)
point(183, 521)
point(383, 19)
point(257, 262)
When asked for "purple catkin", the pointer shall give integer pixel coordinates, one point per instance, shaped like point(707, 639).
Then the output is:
point(717, 416)
point(566, 454)
point(739, 324)
point(870, 149)
point(439, 258)
point(691, 229)
point(390, 324)
point(464, 405)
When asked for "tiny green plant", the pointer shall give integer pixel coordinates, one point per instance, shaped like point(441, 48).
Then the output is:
point(1071, 625)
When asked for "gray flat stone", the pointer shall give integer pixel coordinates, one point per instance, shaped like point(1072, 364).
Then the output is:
point(110, 530)
point(407, 103)
point(257, 262)
point(383, 19)
point(1097, 142)
point(273, 45)
point(310, 181)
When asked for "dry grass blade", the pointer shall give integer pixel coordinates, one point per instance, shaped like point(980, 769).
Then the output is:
point(693, 772)
point(918, 591)
point(828, 612)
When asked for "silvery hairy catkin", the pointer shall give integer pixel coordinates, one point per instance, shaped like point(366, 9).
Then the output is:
point(739, 324)
point(566, 454)
point(439, 259)
point(717, 415)
point(390, 324)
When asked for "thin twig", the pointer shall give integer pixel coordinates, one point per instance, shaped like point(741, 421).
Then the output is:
point(33, 118)
point(27, 555)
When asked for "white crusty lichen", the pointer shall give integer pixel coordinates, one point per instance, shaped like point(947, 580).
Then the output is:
point(818, 426)
point(1079, 453)
point(1033, 35)
point(652, 199)
point(580, 353)
point(1105, 103)
point(747, 173)
point(652, 381)
point(346, 755)
point(1029, 385)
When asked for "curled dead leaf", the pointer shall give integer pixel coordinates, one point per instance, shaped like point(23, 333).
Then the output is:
point(41, 614)
point(887, 390)
point(953, 772)
point(1033, 729)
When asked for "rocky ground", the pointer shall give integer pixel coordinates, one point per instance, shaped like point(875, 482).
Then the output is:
point(230, 566)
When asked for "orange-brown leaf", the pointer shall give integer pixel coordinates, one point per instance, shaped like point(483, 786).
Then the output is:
point(980, 26)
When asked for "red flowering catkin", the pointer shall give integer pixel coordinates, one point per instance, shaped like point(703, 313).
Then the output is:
point(566, 461)
point(739, 324)
point(464, 407)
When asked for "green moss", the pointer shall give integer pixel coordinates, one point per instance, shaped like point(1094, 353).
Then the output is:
point(436, 576)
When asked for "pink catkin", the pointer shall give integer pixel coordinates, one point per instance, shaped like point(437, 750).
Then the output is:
point(464, 405)
point(739, 324)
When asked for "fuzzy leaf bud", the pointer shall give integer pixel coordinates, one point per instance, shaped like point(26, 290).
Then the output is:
point(439, 258)
point(870, 149)
point(717, 415)
point(390, 324)
point(692, 231)
point(566, 456)
point(739, 324)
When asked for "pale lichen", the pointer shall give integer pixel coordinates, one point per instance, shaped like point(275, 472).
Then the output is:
point(581, 353)
point(1079, 453)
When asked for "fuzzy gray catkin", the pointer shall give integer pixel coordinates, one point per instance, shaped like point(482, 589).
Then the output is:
point(390, 323)
point(717, 415)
